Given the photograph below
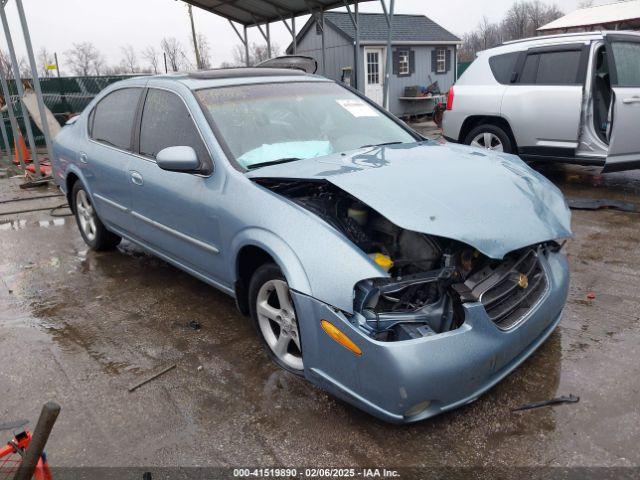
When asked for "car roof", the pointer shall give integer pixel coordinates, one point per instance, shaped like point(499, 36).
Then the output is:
point(228, 76)
point(559, 39)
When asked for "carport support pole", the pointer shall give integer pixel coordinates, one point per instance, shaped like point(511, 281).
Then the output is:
point(295, 38)
point(324, 50)
point(5, 139)
point(34, 76)
point(358, 58)
point(387, 73)
point(268, 40)
point(20, 90)
point(246, 47)
point(12, 117)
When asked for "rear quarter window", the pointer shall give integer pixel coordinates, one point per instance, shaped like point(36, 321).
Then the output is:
point(503, 66)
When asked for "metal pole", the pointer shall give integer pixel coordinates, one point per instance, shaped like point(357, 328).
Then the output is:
point(12, 117)
point(324, 50)
point(246, 47)
point(268, 41)
point(195, 37)
point(358, 65)
point(36, 80)
point(387, 76)
point(50, 411)
point(55, 56)
point(5, 139)
point(295, 37)
point(18, 82)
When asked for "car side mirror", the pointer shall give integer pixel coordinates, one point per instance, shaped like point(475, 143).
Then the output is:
point(178, 159)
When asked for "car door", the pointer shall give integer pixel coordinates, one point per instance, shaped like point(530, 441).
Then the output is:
point(175, 212)
point(106, 158)
point(543, 104)
point(624, 66)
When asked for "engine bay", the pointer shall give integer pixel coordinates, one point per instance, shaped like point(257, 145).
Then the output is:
point(425, 287)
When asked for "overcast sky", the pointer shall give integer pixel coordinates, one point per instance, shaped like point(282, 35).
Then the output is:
point(56, 24)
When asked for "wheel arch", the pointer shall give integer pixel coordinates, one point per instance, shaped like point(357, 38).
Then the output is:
point(71, 178)
point(474, 121)
point(252, 248)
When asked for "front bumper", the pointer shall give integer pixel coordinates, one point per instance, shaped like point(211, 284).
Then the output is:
point(447, 370)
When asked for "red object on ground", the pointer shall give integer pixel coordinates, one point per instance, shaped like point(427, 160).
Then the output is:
point(45, 168)
point(591, 296)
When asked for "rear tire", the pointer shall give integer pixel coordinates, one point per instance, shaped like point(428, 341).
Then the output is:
point(490, 137)
point(274, 317)
point(93, 232)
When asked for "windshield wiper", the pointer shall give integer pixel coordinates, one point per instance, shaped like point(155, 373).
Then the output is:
point(273, 162)
point(380, 144)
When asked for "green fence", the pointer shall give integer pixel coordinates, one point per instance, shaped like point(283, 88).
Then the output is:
point(63, 96)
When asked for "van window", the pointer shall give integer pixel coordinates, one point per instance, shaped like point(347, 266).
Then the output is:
point(552, 68)
point(111, 121)
point(626, 56)
point(503, 66)
point(166, 122)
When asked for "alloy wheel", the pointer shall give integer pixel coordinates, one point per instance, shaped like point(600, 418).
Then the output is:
point(86, 215)
point(489, 141)
point(278, 323)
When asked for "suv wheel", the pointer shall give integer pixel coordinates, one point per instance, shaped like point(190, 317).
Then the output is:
point(274, 317)
point(93, 232)
point(490, 137)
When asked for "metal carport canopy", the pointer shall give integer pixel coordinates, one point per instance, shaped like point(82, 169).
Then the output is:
point(261, 13)
point(254, 12)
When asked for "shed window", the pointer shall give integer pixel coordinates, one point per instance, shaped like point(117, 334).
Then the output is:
point(403, 62)
point(441, 63)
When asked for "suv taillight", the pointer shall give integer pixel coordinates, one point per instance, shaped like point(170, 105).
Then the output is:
point(450, 99)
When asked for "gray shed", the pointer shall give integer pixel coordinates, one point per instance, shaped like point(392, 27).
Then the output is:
point(422, 52)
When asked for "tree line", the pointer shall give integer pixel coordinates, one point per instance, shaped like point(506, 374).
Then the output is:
point(521, 20)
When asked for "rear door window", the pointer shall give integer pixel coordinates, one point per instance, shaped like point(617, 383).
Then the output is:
point(553, 68)
point(626, 56)
point(111, 121)
point(166, 122)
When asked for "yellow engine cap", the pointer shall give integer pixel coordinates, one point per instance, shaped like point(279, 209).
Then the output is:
point(382, 260)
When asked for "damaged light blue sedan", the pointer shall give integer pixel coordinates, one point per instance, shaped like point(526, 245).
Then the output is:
point(402, 275)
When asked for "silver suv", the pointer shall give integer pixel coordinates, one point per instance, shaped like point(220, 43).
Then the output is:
point(571, 98)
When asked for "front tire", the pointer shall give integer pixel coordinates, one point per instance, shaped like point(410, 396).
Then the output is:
point(93, 232)
point(274, 317)
point(490, 137)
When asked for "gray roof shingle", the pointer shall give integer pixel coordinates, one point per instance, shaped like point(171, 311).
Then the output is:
point(406, 28)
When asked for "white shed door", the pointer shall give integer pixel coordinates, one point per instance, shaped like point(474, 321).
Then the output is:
point(374, 67)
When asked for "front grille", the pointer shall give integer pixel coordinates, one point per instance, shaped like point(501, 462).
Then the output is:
point(510, 295)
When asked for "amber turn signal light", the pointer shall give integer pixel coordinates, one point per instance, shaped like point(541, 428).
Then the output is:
point(335, 333)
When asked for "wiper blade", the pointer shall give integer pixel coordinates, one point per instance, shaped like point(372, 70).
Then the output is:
point(380, 144)
point(272, 162)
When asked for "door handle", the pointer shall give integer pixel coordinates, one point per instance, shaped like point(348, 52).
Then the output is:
point(629, 100)
point(136, 178)
point(83, 157)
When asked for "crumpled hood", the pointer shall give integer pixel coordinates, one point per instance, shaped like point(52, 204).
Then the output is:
point(491, 201)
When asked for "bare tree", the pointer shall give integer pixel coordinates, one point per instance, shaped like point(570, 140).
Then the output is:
point(257, 53)
point(204, 51)
point(43, 59)
point(172, 47)
point(130, 59)
point(585, 4)
point(85, 59)
point(150, 54)
point(521, 20)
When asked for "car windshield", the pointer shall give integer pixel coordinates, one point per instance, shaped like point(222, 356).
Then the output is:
point(279, 122)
